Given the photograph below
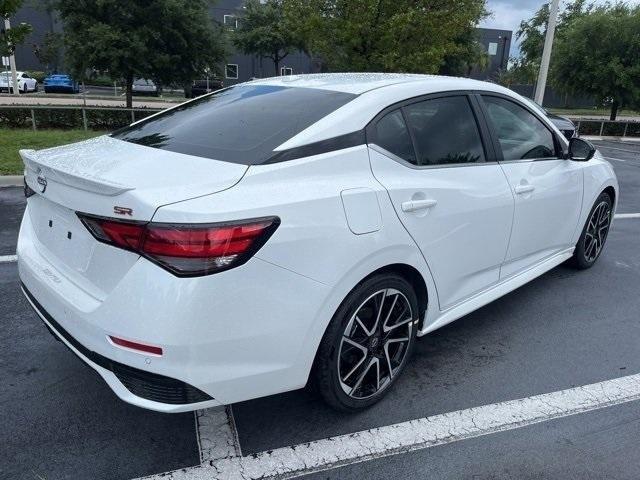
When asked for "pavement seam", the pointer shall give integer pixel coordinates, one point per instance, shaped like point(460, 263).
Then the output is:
point(216, 434)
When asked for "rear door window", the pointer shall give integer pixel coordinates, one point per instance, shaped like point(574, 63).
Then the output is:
point(445, 131)
point(242, 124)
point(391, 133)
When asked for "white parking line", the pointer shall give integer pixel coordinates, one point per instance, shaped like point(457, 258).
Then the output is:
point(627, 215)
point(616, 159)
point(416, 434)
point(8, 258)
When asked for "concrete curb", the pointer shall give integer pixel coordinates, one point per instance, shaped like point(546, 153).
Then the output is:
point(611, 139)
point(11, 181)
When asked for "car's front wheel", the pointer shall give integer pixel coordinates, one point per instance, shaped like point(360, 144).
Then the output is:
point(594, 234)
point(367, 343)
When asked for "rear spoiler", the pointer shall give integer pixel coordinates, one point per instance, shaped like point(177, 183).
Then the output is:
point(38, 164)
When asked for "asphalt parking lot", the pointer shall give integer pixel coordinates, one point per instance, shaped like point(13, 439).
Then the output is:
point(563, 330)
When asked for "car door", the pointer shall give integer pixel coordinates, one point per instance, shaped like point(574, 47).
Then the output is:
point(547, 188)
point(446, 188)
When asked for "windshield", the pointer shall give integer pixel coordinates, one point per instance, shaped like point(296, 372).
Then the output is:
point(241, 124)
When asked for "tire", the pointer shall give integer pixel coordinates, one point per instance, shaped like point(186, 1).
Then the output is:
point(595, 229)
point(35, 87)
point(25, 89)
point(347, 377)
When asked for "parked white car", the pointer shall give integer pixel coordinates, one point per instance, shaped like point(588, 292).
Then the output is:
point(302, 228)
point(142, 86)
point(25, 82)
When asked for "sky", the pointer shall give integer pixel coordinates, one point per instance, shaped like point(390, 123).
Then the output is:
point(507, 15)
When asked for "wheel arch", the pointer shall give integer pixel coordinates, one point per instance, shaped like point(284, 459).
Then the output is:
point(612, 193)
point(406, 271)
point(414, 277)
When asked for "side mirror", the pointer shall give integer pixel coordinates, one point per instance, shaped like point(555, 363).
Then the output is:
point(580, 150)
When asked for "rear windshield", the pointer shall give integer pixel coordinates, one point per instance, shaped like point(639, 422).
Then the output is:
point(240, 124)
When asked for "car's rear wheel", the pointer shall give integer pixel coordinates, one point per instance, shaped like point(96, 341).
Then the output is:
point(25, 89)
point(367, 343)
point(594, 234)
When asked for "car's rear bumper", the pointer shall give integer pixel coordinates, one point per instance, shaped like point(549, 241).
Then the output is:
point(235, 335)
point(139, 387)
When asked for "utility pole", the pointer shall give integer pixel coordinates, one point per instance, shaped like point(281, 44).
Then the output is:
point(546, 52)
point(12, 61)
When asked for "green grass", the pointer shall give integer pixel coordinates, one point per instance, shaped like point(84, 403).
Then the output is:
point(13, 140)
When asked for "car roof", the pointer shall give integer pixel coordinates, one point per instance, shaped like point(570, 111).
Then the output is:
point(361, 82)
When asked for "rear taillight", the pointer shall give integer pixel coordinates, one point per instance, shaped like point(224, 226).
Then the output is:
point(186, 250)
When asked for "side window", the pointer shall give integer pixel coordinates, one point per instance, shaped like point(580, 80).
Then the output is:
point(392, 135)
point(520, 134)
point(445, 131)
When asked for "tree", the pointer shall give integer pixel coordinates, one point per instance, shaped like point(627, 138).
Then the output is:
point(11, 37)
point(531, 35)
point(383, 35)
point(49, 52)
point(466, 54)
point(266, 32)
point(599, 55)
point(164, 40)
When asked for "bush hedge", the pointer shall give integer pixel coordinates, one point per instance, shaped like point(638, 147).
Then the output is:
point(69, 118)
point(38, 75)
point(612, 129)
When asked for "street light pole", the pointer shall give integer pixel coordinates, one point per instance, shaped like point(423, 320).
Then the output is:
point(546, 52)
point(12, 61)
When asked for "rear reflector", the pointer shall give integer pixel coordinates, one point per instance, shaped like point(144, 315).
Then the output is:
point(141, 347)
point(186, 249)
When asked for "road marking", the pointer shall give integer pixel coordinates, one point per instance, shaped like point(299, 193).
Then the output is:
point(627, 215)
point(8, 258)
point(616, 159)
point(217, 434)
point(416, 434)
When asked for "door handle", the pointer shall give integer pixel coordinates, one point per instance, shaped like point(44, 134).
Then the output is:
point(522, 189)
point(415, 205)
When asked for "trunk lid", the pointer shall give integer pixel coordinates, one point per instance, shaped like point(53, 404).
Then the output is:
point(97, 175)
point(110, 178)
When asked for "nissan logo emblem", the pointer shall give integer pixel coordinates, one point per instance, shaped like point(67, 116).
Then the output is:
point(42, 182)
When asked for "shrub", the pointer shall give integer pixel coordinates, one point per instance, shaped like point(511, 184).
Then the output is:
point(633, 130)
point(38, 75)
point(614, 129)
point(70, 118)
point(588, 127)
point(15, 117)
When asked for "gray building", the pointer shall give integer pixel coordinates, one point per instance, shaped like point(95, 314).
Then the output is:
point(498, 45)
point(241, 67)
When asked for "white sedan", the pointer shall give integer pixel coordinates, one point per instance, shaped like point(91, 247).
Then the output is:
point(300, 229)
point(25, 82)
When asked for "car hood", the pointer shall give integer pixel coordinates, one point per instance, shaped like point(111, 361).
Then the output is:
point(563, 123)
